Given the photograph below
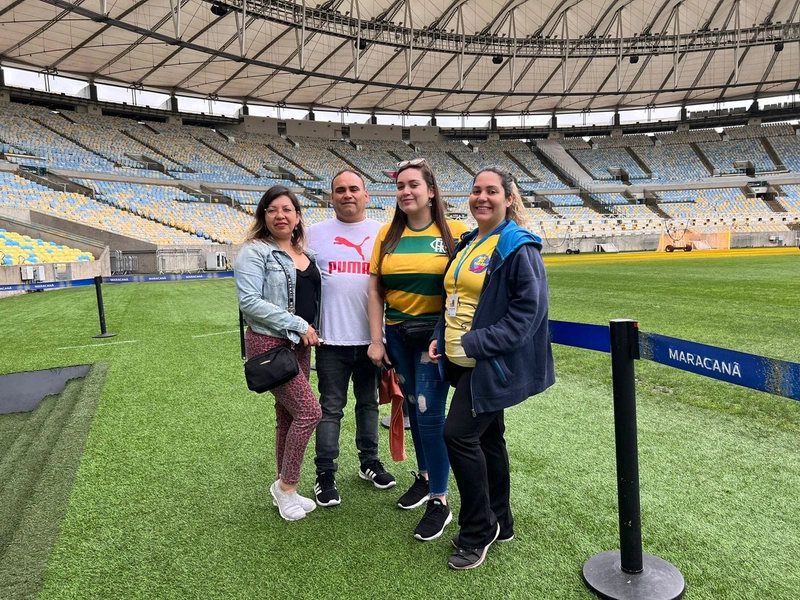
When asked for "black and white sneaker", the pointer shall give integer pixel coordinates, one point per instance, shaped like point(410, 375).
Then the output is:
point(373, 471)
point(437, 516)
point(325, 489)
point(417, 494)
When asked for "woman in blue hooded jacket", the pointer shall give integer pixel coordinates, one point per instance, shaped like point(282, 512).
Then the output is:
point(492, 344)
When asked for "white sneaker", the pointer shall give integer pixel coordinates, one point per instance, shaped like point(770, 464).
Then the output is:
point(307, 504)
point(288, 504)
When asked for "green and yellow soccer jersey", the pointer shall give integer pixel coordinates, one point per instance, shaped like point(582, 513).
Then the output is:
point(412, 274)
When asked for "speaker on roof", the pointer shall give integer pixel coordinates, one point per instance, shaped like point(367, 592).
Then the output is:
point(218, 9)
point(634, 59)
point(778, 46)
point(362, 44)
point(497, 60)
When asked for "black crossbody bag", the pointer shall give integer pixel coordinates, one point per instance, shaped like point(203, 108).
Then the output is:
point(273, 367)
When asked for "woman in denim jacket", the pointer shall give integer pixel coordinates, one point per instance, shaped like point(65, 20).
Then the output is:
point(278, 285)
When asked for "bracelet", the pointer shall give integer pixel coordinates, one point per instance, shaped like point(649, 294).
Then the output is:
point(375, 343)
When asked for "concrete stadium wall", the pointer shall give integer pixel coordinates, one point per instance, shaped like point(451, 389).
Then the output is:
point(114, 240)
point(123, 178)
point(318, 129)
point(648, 242)
point(769, 239)
point(624, 243)
point(22, 214)
point(251, 124)
point(425, 134)
point(376, 132)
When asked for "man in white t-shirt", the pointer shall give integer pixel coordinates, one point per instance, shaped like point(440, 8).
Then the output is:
point(344, 247)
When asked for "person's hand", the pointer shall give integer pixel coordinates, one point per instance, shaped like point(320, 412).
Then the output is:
point(433, 352)
point(310, 338)
point(377, 354)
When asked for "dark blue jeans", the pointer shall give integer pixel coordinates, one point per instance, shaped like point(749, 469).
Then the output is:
point(336, 366)
point(426, 395)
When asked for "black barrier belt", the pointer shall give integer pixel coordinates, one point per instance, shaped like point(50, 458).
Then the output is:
point(53, 285)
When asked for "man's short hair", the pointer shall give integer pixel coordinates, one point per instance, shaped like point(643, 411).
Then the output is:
point(363, 185)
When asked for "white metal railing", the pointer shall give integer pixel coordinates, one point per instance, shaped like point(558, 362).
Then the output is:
point(180, 260)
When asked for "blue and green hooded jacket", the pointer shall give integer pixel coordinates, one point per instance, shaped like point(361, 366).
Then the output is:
point(509, 337)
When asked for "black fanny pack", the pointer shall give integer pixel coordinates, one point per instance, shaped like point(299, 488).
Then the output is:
point(417, 332)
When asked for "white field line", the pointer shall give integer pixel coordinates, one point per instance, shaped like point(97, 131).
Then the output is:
point(218, 333)
point(98, 345)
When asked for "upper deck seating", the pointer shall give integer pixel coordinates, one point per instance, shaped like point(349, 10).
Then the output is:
point(177, 209)
point(19, 193)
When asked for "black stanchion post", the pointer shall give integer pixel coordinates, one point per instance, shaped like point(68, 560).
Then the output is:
point(98, 286)
point(629, 574)
point(624, 350)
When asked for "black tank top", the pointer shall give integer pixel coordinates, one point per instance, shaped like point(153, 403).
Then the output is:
point(307, 293)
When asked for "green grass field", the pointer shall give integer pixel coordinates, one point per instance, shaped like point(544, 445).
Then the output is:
point(149, 479)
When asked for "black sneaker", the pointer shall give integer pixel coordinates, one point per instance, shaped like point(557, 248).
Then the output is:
point(417, 494)
point(432, 524)
point(469, 558)
point(325, 489)
point(373, 471)
point(501, 539)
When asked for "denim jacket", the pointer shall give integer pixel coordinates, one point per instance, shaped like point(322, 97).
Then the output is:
point(264, 274)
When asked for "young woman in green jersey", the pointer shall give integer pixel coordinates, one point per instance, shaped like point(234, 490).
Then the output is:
point(408, 262)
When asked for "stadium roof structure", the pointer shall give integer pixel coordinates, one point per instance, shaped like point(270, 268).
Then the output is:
point(418, 56)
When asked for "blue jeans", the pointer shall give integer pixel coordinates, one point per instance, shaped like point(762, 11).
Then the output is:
point(426, 394)
point(336, 365)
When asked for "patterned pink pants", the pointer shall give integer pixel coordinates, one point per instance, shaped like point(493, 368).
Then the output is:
point(297, 410)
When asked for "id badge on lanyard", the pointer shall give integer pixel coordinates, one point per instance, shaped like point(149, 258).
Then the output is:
point(452, 305)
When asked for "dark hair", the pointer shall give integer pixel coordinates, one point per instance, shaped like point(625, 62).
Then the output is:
point(400, 219)
point(343, 171)
point(515, 212)
point(258, 230)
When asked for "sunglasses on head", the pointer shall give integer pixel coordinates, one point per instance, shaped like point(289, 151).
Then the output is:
point(411, 163)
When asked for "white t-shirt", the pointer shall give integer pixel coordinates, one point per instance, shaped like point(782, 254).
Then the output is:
point(343, 255)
